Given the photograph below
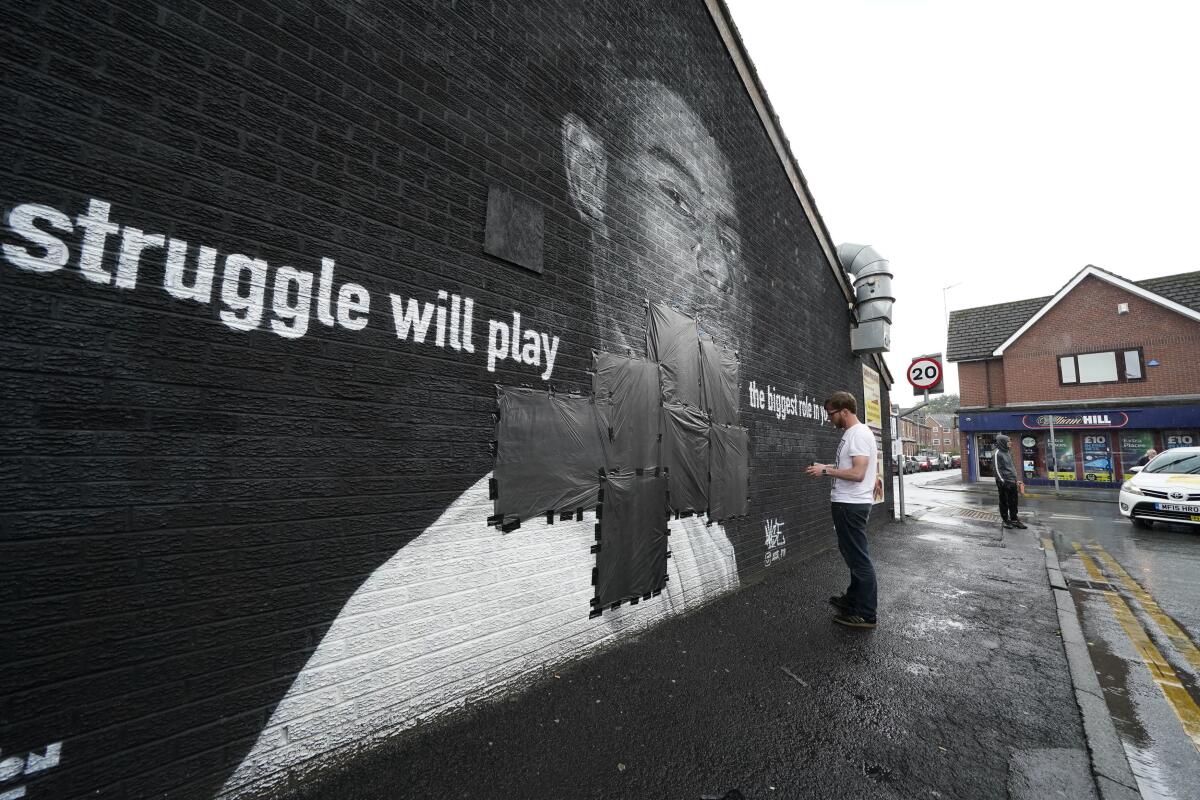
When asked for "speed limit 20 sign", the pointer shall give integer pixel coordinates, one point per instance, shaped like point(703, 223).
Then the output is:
point(925, 374)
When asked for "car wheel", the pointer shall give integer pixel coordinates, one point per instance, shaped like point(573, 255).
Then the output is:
point(1138, 522)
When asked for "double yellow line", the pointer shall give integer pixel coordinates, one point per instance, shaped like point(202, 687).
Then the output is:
point(1160, 670)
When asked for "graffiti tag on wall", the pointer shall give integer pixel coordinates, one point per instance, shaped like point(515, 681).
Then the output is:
point(776, 542)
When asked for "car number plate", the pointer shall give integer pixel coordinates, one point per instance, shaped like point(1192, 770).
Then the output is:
point(1176, 507)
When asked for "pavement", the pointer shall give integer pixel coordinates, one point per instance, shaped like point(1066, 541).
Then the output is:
point(963, 691)
point(953, 482)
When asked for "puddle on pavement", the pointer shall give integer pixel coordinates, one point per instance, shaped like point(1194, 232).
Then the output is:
point(951, 593)
point(920, 670)
point(1147, 770)
point(938, 625)
point(1113, 674)
point(943, 537)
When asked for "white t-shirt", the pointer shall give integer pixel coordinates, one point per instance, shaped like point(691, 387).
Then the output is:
point(856, 441)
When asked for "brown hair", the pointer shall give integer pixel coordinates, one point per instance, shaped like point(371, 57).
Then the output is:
point(841, 401)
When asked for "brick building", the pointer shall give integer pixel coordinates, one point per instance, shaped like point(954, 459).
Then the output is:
point(926, 433)
point(943, 432)
point(275, 277)
point(1085, 381)
point(914, 434)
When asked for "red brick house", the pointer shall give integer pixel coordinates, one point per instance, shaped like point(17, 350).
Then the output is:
point(914, 434)
point(943, 432)
point(1112, 366)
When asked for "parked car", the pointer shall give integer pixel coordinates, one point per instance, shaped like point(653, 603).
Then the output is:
point(956, 462)
point(911, 465)
point(926, 462)
point(945, 459)
point(1165, 490)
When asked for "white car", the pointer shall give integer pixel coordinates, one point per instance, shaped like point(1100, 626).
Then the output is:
point(1165, 490)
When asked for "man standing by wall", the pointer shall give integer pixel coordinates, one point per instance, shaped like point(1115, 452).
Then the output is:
point(1006, 482)
point(851, 497)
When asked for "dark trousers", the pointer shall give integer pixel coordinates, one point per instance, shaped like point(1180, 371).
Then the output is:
point(850, 521)
point(1008, 500)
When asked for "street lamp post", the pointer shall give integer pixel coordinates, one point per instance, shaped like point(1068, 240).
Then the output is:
point(945, 310)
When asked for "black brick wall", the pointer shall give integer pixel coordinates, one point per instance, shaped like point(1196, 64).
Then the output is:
point(186, 508)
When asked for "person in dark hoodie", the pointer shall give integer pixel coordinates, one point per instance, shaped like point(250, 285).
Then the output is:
point(1006, 483)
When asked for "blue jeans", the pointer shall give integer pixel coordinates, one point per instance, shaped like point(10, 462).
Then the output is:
point(850, 520)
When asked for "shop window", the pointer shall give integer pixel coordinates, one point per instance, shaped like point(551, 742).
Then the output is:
point(1134, 445)
point(1060, 457)
point(1097, 458)
point(986, 447)
point(1033, 455)
point(1109, 366)
point(1179, 438)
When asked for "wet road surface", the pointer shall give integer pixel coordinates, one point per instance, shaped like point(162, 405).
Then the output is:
point(1137, 595)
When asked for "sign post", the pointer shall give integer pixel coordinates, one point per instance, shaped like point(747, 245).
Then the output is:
point(900, 463)
point(1054, 447)
point(925, 375)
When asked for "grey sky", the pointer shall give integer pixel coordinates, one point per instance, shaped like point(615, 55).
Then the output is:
point(999, 146)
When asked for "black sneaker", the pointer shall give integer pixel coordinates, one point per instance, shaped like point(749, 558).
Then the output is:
point(1018, 524)
point(853, 621)
point(1008, 524)
point(841, 603)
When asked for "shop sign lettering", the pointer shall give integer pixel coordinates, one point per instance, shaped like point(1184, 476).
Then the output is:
point(1115, 419)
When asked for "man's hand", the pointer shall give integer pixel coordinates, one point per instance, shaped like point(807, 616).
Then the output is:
point(815, 469)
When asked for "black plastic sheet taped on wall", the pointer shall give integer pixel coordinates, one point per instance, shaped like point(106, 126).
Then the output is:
point(718, 382)
point(632, 560)
point(729, 471)
point(685, 445)
point(549, 452)
point(630, 387)
point(672, 340)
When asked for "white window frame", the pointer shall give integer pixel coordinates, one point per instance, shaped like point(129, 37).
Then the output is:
point(1070, 370)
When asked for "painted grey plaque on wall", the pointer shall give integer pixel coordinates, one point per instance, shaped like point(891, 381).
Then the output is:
point(514, 230)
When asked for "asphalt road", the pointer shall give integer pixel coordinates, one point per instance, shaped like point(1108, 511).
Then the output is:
point(1137, 594)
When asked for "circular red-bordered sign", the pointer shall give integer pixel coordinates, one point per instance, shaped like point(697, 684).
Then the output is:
point(925, 373)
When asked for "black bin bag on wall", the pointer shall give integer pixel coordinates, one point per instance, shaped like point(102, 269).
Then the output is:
point(685, 455)
point(629, 394)
point(548, 452)
point(729, 471)
point(719, 382)
point(632, 560)
point(673, 340)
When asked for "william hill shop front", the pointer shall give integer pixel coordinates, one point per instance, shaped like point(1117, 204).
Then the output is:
point(1083, 448)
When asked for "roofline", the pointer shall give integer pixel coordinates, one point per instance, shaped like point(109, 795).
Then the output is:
point(1103, 275)
point(770, 122)
point(766, 114)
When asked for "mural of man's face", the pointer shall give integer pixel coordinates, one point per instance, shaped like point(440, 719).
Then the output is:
point(665, 188)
